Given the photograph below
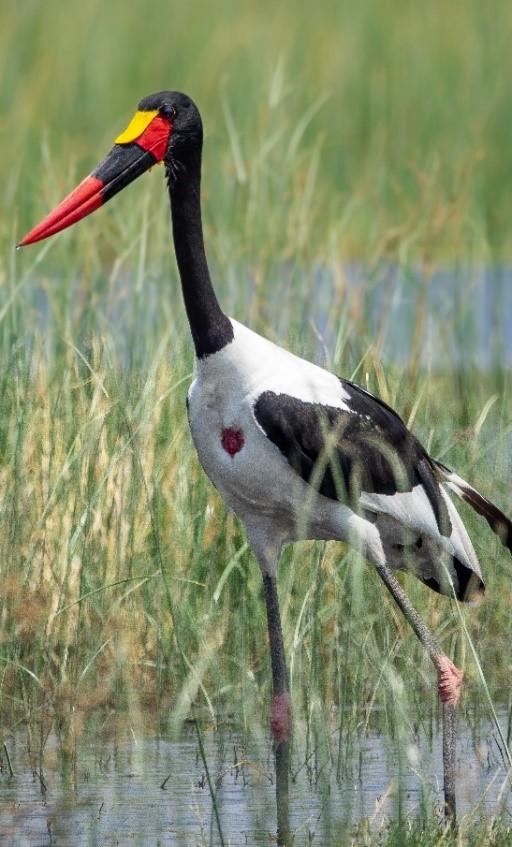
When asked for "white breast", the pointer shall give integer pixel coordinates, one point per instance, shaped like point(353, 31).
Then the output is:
point(257, 480)
point(251, 364)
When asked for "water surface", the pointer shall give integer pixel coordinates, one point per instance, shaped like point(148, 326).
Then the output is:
point(131, 789)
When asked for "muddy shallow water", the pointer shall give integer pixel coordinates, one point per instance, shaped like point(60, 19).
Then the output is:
point(150, 790)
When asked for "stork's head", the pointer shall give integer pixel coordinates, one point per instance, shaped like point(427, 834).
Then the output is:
point(166, 127)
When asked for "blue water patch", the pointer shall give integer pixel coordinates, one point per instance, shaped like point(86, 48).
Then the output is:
point(450, 319)
point(146, 790)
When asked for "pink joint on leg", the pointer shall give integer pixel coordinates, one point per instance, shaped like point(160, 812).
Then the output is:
point(281, 720)
point(449, 681)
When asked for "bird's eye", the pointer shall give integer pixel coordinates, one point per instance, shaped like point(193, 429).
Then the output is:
point(168, 111)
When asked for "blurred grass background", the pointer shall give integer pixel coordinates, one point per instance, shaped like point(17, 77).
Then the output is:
point(336, 135)
point(408, 106)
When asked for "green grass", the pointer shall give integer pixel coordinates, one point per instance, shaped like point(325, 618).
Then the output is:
point(417, 836)
point(363, 133)
point(398, 115)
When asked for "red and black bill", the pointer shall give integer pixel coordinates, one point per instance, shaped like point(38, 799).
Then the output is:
point(132, 155)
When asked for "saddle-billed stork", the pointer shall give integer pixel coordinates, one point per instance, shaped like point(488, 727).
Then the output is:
point(295, 451)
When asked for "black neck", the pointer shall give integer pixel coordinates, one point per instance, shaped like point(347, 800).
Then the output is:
point(211, 328)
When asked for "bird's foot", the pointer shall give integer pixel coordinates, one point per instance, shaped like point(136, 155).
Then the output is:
point(281, 720)
point(449, 681)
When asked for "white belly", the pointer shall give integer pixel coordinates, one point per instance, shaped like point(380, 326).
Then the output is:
point(257, 482)
point(250, 480)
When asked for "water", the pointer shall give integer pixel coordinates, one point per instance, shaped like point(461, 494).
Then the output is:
point(125, 789)
point(452, 319)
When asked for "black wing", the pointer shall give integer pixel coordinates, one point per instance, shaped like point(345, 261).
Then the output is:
point(342, 453)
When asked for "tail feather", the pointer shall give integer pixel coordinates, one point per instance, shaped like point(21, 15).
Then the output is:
point(499, 523)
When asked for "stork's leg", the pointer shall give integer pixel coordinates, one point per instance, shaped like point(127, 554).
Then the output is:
point(281, 708)
point(449, 685)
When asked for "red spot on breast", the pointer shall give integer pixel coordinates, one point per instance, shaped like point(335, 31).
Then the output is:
point(232, 440)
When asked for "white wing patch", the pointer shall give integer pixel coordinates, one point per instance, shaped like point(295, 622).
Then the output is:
point(410, 508)
point(257, 365)
point(460, 539)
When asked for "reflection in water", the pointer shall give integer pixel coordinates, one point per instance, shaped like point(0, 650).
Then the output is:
point(131, 790)
point(282, 767)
